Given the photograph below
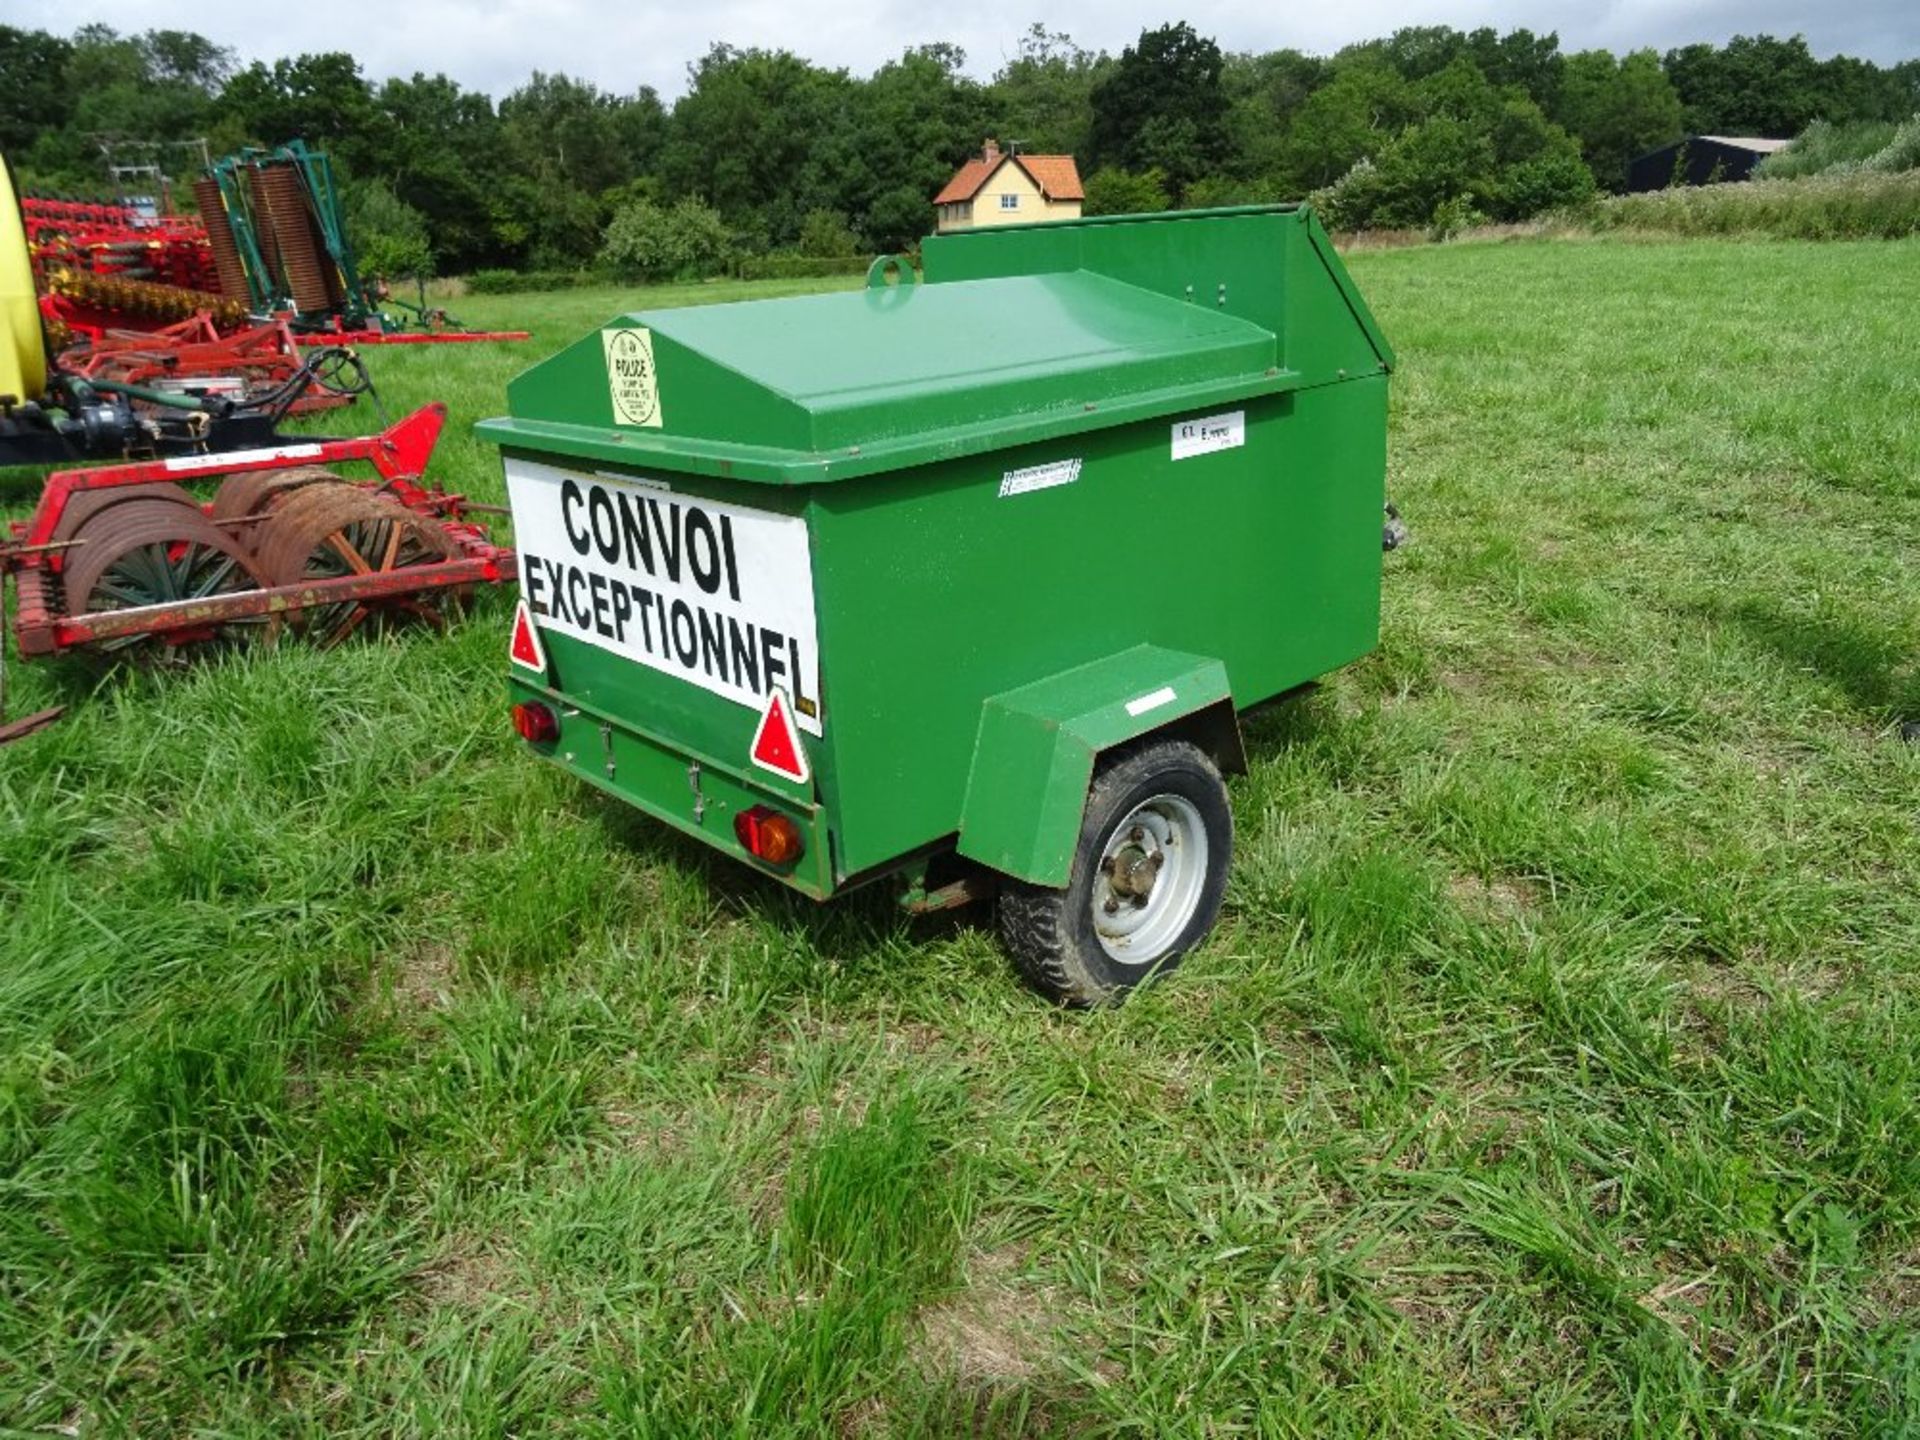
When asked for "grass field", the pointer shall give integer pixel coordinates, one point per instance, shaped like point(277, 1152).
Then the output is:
point(1553, 1070)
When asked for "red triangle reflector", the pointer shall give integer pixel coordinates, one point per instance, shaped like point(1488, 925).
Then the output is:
point(525, 647)
point(776, 743)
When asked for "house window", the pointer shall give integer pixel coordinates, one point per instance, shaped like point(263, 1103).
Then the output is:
point(1009, 202)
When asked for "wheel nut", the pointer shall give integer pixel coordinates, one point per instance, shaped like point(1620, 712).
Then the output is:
point(1157, 859)
point(1138, 835)
point(1112, 907)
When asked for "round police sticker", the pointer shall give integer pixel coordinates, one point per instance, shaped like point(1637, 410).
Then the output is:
point(631, 379)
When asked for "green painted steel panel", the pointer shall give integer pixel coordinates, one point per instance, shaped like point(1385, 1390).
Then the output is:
point(934, 591)
point(679, 785)
point(874, 364)
point(1034, 756)
point(1218, 511)
point(1272, 265)
point(832, 386)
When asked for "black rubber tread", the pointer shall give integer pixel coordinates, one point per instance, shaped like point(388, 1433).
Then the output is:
point(1046, 930)
point(1030, 919)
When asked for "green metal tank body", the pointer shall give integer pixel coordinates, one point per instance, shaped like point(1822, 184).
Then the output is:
point(1086, 480)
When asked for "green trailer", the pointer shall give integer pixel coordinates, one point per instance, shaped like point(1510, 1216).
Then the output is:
point(962, 581)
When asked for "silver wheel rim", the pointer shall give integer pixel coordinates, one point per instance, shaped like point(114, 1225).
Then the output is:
point(1150, 878)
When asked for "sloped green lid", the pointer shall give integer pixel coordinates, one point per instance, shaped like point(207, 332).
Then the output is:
point(830, 386)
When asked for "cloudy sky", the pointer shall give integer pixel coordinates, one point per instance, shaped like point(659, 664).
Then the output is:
point(621, 44)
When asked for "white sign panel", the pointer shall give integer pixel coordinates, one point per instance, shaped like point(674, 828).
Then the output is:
point(713, 594)
point(1208, 434)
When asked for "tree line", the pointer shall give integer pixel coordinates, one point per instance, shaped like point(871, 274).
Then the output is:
point(768, 152)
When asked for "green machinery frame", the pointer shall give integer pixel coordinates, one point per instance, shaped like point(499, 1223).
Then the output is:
point(316, 177)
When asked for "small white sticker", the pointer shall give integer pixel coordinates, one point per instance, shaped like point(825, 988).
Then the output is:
point(1152, 701)
point(241, 457)
point(1208, 434)
point(631, 379)
point(1039, 477)
point(651, 482)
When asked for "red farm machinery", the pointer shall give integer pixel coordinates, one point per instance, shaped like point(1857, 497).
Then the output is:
point(270, 243)
point(155, 556)
point(210, 525)
point(278, 240)
point(97, 362)
point(160, 333)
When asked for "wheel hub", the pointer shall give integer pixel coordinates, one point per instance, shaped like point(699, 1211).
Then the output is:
point(1152, 873)
point(1131, 873)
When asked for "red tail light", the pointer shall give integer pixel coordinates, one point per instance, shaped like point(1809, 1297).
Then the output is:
point(535, 723)
point(768, 835)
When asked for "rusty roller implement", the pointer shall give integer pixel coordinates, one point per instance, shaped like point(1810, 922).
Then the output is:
point(256, 204)
point(328, 529)
point(154, 551)
point(159, 555)
point(226, 252)
point(295, 236)
point(246, 502)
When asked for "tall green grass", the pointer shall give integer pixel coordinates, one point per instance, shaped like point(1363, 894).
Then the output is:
point(1852, 205)
point(1826, 149)
point(1552, 1071)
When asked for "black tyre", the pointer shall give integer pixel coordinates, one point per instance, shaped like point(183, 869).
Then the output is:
point(1146, 882)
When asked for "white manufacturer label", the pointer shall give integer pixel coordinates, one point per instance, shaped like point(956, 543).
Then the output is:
point(241, 457)
point(1039, 477)
point(1208, 434)
point(1153, 700)
point(632, 381)
point(714, 594)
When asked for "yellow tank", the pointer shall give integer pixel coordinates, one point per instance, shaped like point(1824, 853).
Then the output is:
point(23, 346)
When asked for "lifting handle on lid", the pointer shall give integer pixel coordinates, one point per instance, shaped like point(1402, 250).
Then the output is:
point(903, 264)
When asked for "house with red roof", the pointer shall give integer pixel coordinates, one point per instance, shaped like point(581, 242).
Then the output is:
point(1000, 187)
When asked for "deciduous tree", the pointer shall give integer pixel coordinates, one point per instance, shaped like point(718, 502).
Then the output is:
point(1043, 97)
point(1114, 191)
point(1163, 106)
point(1618, 109)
